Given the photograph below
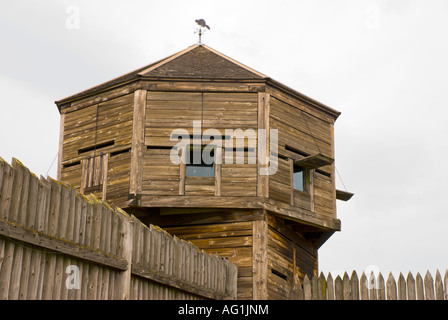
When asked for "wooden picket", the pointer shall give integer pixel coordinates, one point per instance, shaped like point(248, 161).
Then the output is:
point(47, 228)
point(375, 288)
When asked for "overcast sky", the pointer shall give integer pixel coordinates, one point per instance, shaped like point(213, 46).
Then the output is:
point(382, 63)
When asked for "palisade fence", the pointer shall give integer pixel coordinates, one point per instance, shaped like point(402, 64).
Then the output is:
point(58, 244)
point(375, 287)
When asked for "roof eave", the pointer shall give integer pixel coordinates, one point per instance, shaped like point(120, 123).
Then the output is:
point(333, 112)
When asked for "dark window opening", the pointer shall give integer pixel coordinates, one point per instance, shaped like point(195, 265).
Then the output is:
point(279, 274)
point(96, 146)
point(298, 178)
point(200, 162)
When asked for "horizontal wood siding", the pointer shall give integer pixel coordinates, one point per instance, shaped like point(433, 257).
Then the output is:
point(323, 194)
point(111, 134)
point(280, 182)
point(82, 129)
point(290, 257)
point(118, 178)
point(160, 175)
point(167, 111)
point(230, 111)
point(302, 131)
point(229, 240)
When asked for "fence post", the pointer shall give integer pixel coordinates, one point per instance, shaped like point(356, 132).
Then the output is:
point(338, 295)
point(363, 288)
point(391, 288)
point(330, 287)
point(307, 288)
point(419, 287)
point(429, 286)
point(401, 287)
point(445, 282)
point(346, 287)
point(410, 286)
point(438, 286)
point(124, 279)
point(354, 285)
point(381, 287)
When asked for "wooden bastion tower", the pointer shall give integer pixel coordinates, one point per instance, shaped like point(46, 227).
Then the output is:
point(133, 142)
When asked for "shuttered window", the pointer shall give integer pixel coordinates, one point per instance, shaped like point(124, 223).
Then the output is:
point(93, 173)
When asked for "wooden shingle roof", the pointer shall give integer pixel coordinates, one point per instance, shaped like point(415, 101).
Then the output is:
point(198, 62)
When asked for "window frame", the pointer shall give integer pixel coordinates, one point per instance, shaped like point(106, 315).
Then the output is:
point(190, 161)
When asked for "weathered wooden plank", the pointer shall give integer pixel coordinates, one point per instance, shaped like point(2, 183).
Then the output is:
point(391, 287)
point(419, 287)
point(364, 289)
point(16, 271)
point(330, 287)
point(429, 286)
point(338, 288)
point(307, 289)
point(260, 268)
point(25, 274)
point(6, 186)
point(138, 142)
point(438, 286)
point(354, 285)
point(381, 292)
point(40, 239)
point(410, 287)
point(401, 287)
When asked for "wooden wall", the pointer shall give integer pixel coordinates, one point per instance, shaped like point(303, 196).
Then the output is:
point(290, 258)
point(108, 126)
point(167, 111)
point(303, 131)
point(231, 239)
point(47, 226)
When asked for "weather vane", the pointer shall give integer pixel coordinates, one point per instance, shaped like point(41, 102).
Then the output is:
point(201, 29)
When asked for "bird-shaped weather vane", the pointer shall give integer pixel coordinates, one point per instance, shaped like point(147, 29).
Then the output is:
point(201, 29)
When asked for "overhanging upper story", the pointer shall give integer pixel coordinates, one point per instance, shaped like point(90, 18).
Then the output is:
point(118, 140)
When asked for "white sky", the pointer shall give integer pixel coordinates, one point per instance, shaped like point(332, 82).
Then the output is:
point(382, 63)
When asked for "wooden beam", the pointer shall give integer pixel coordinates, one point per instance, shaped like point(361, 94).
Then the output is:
point(170, 281)
point(315, 161)
point(263, 124)
point(182, 170)
point(260, 260)
point(138, 142)
point(218, 165)
point(37, 238)
point(61, 145)
point(104, 177)
point(343, 195)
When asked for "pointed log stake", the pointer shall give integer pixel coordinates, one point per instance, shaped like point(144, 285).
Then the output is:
point(330, 287)
point(445, 282)
point(391, 288)
point(307, 288)
point(322, 287)
point(401, 287)
point(354, 285)
point(338, 289)
point(410, 286)
point(438, 285)
point(363, 287)
point(381, 287)
point(346, 287)
point(372, 286)
point(419, 287)
point(429, 286)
